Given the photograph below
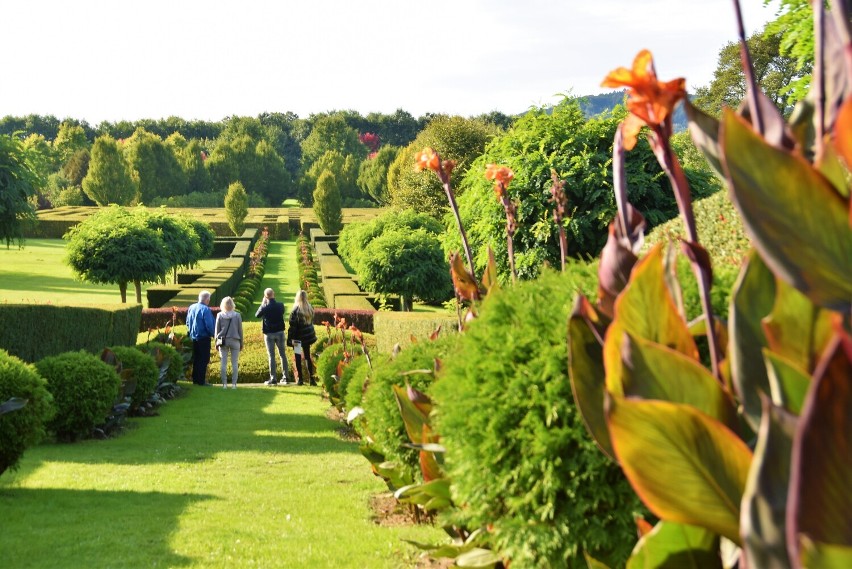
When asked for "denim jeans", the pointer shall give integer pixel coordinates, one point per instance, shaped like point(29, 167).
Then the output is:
point(273, 340)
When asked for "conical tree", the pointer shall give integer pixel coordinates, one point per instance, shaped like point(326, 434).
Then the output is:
point(327, 204)
point(109, 180)
point(236, 207)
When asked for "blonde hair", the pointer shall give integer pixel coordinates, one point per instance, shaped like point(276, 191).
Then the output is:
point(227, 304)
point(303, 307)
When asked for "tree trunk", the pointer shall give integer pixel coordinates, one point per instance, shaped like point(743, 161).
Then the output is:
point(138, 286)
point(407, 303)
point(122, 286)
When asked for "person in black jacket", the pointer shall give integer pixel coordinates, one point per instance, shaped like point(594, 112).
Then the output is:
point(302, 330)
point(272, 313)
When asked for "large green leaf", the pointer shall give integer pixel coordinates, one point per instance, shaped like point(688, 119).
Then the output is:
point(797, 329)
point(646, 309)
point(795, 218)
point(676, 545)
point(751, 301)
point(820, 497)
point(478, 557)
point(684, 465)
point(652, 371)
point(586, 370)
point(825, 556)
point(414, 418)
point(764, 504)
point(788, 383)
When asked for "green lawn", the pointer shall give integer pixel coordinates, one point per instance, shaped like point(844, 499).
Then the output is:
point(222, 478)
point(37, 274)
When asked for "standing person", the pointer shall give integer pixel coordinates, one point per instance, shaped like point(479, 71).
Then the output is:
point(272, 313)
point(229, 340)
point(200, 327)
point(302, 330)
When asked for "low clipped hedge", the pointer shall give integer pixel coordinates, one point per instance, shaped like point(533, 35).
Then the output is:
point(381, 410)
point(519, 457)
point(393, 328)
point(23, 427)
point(357, 378)
point(143, 370)
point(84, 389)
point(326, 365)
point(361, 319)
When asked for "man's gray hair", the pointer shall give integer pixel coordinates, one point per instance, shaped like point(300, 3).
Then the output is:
point(204, 295)
point(269, 293)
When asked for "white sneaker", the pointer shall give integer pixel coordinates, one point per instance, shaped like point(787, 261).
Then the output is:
point(283, 381)
point(270, 382)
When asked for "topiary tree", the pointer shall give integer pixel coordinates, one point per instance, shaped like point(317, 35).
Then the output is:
point(143, 370)
point(408, 263)
point(115, 247)
point(109, 179)
point(236, 207)
point(84, 389)
point(22, 427)
point(518, 455)
point(182, 244)
point(327, 204)
point(18, 181)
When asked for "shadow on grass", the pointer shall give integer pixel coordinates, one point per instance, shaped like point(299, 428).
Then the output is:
point(210, 421)
point(73, 528)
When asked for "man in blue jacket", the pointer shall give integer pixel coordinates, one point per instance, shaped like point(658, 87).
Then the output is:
point(272, 313)
point(200, 326)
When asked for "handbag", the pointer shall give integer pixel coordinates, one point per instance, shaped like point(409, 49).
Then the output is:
point(220, 339)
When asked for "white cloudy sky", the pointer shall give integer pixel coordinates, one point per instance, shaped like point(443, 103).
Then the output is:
point(116, 59)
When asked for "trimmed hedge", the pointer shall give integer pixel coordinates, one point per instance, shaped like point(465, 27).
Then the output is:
point(26, 426)
point(35, 331)
point(361, 319)
point(331, 267)
point(84, 389)
point(175, 370)
point(393, 328)
point(143, 370)
point(159, 318)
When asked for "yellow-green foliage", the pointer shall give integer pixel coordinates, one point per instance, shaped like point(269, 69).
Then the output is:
point(142, 369)
point(170, 355)
point(84, 389)
point(34, 331)
point(353, 302)
point(254, 363)
point(393, 328)
point(26, 426)
point(720, 230)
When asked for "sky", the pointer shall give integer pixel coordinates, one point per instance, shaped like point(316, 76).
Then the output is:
point(111, 60)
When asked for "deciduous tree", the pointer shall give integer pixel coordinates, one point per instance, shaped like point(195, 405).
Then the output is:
point(18, 182)
point(108, 179)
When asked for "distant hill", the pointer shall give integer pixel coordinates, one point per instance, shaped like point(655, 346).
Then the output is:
point(593, 105)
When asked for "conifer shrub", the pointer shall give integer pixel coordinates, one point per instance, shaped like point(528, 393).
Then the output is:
point(356, 368)
point(143, 370)
point(326, 365)
point(22, 427)
point(518, 455)
point(354, 393)
point(327, 204)
point(84, 389)
point(381, 409)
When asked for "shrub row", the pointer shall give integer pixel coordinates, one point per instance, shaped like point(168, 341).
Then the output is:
point(392, 328)
point(361, 319)
point(34, 331)
point(308, 276)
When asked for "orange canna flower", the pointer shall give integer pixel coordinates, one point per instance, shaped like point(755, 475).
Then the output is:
point(501, 174)
point(649, 100)
point(427, 158)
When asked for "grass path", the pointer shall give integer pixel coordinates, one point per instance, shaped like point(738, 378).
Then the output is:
point(253, 477)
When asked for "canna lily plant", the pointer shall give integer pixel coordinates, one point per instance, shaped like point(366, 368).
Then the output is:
point(743, 450)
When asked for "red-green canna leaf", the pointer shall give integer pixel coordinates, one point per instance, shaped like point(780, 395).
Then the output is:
point(763, 521)
point(824, 556)
point(676, 545)
point(751, 301)
point(684, 465)
point(788, 383)
point(420, 399)
point(593, 563)
point(412, 416)
point(652, 371)
point(646, 309)
point(795, 218)
point(462, 281)
point(489, 278)
point(843, 133)
point(586, 370)
point(429, 466)
point(831, 167)
point(820, 499)
point(797, 329)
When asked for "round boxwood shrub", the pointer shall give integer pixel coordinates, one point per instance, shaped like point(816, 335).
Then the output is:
point(381, 410)
point(84, 389)
point(326, 364)
point(356, 368)
point(518, 454)
point(144, 371)
point(25, 426)
point(175, 360)
point(354, 391)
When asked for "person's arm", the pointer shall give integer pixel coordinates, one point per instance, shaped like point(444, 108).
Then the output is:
point(261, 309)
point(209, 322)
point(240, 329)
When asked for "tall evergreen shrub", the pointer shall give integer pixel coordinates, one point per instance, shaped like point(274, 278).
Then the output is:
point(327, 204)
